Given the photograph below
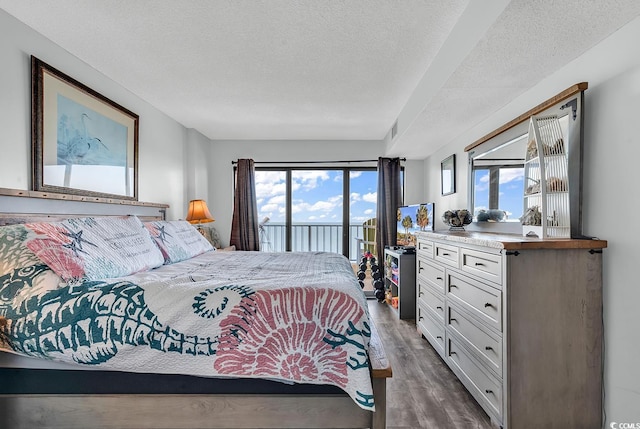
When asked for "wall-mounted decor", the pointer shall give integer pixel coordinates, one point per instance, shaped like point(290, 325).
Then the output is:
point(505, 165)
point(82, 142)
point(448, 175)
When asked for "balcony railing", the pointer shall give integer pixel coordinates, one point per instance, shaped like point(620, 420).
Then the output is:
point(310, 238)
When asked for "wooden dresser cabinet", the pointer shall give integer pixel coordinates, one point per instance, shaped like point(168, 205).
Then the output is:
point(519, 321)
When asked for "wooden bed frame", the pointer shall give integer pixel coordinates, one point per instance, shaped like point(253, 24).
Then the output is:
point(200, 410)
point(111, 411)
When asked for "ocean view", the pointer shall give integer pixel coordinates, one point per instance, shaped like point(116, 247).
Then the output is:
point(310, 237)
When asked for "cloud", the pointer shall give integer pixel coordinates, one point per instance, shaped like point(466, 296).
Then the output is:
point(326, 206)
point(268, 208)
point(308, 179)
point(278, 199)
point(368, 211)
point(266, 176)
point(272, 183)
point(359, 219)
point(370, 197)
point(354, 174)
point(511, 174)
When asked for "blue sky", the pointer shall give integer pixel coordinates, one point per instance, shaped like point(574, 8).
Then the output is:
point(316, 195)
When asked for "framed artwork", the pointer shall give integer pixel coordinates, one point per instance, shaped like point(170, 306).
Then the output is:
point(82, 142)
point(448, 175)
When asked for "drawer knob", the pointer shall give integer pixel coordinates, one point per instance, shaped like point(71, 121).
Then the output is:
point(488, 348)
point(421, 318)
point(452, 319)
point(420, 293)
point(451, 352)
point(488, 391)
point(438, 307)
point(445, 254)
point(439, 337)
point(452, 286)
point(438, 278)
point(479, 264)
point(487, 304)
point(420, 269)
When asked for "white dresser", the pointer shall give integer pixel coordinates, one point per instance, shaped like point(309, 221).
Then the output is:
point(519, 321)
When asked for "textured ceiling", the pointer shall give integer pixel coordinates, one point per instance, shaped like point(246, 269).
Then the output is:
point(322, 70)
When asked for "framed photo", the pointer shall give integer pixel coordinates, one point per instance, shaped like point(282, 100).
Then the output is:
point(448, 175)
point(82, 142)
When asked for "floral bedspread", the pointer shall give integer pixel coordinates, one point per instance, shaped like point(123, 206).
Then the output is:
point(292, 317)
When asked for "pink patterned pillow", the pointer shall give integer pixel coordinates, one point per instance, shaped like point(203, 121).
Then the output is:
point(178, 240)
point(94, 248)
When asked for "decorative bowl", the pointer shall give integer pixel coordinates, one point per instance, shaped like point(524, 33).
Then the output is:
point(457, 219)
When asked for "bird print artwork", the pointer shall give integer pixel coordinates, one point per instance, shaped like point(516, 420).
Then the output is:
point(87, 137)
point(76, 143)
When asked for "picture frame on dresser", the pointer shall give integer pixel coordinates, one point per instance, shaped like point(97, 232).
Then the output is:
point(448, 175)
point(83, 143)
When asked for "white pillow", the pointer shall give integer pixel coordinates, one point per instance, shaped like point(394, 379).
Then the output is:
point(178, 240)
point(94, 248)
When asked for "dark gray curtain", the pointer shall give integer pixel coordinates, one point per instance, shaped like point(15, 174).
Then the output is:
point(389, 199)
point(244, 226)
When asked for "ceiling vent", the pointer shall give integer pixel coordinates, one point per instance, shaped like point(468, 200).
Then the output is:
point(394, 130)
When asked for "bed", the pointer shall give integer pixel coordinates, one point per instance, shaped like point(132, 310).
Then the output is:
point(201, 358)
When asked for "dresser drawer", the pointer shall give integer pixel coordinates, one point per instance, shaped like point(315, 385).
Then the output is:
point(432, 329)
point(482, 301)
point(487, 347)
point(425, 248)
point(486, 388)
point(482, 264)
point(431, 272)
point(446, 254)
point(428, 297)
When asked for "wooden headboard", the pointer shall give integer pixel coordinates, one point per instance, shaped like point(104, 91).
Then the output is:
point(19, 206)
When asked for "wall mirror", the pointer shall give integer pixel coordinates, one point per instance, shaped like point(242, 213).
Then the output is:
point(448, 175)
point(496, 166)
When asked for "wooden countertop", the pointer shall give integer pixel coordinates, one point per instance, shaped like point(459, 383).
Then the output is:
point(512, 241)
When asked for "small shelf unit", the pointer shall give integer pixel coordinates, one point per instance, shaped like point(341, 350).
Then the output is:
point(400, 281)
point(546, 190)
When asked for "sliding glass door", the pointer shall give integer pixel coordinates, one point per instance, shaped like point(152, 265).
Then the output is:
point(317, 209)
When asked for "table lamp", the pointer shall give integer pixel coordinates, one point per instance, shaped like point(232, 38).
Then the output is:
point(199, 212)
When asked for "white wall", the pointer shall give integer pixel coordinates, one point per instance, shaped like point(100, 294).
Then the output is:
point(161, 139)
point(612, 153)
point(414, 182)
point(197, 172)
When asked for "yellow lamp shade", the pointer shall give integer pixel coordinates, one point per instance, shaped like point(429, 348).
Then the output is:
point(199, 212)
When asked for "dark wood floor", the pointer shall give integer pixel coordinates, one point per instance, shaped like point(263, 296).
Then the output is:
point(423, 392)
